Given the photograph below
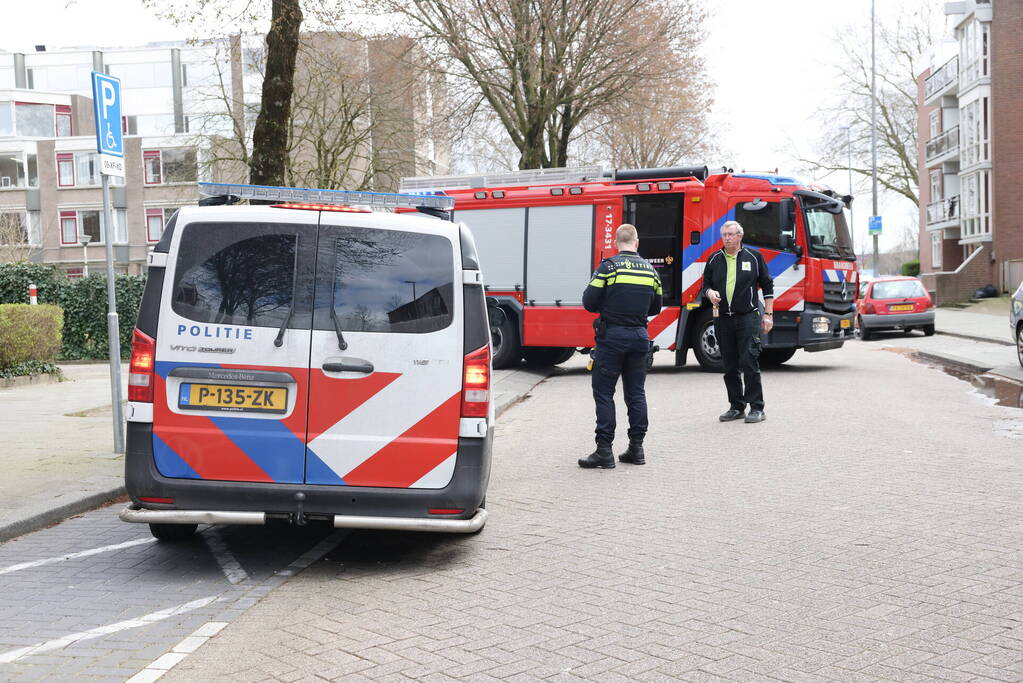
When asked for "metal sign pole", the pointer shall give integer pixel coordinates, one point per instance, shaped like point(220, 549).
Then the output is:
point(113, 328)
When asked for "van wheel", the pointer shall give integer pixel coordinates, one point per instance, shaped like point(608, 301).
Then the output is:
point(505, 338)
point(172, 532)
point(928, 330)
point(776, 356)
point(705, 344)
point(547, 355)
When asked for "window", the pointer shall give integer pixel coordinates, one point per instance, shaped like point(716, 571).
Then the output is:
point(385, 281)
point(6, 119)
point(13, 228)
point(897, 289)
point(936, 250)
point(34, 120)
point(151, 161)
point(935, 120)
point(154, 224)
point(936, 192)
point(760, 228)
point(91, 225)
point(236, 275)
point(68, 227)
point(827, 233)
point(145, 75)
point(63, 113)
point(66, 170)
point(179, 165)
point(87, 168)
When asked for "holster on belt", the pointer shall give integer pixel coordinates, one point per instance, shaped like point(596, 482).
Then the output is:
point(599, 328)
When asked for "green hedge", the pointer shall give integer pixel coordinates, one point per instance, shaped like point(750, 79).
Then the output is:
point(29, 333)
point(84, 301)
point(911, 268)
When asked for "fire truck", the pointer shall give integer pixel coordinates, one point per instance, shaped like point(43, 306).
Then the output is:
point(541, 233)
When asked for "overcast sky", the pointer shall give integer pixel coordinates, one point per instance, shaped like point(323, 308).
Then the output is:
point(762, 56)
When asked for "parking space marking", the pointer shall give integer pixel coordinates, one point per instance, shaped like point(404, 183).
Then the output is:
point(186, 647)
point(228, 564)
point(75, 556)
point(100, 631)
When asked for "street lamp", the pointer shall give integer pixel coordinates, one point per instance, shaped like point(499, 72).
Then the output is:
point(848, 149)
point(84, 241)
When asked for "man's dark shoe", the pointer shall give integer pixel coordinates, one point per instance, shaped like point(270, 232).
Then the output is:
point(634, 455)
point(731, 414)
point(601, 458)
point(756, 416)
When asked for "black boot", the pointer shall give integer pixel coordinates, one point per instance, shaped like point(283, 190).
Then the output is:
point(602, 458)
point(634, 455)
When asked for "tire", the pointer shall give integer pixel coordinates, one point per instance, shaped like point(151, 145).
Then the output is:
point(865, 334)
point(506, 347)
point(705, 344)
point(172, 532)
point(547, 355)
point(1019, 344)
point(928, 330)
point(770, 357)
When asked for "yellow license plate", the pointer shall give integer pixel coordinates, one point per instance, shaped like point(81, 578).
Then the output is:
point(846, 323)
point(233, 398)
point(901, 307)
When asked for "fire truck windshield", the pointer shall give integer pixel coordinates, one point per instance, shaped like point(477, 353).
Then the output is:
point(828, 234)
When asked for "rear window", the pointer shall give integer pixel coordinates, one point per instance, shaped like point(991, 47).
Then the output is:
point(384, 281)
point(898, 289)
point(236, 274)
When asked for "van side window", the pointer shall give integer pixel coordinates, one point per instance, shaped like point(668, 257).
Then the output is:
point(235, 274)
point(760, 228)
point(384, 281)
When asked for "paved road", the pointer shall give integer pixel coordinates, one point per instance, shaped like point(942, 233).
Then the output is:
point(869, 530)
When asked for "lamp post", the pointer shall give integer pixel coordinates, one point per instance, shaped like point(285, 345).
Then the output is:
point(848, 150)
point(84, 241)
point(873, 125)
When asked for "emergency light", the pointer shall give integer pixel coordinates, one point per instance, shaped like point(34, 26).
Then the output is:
point(300, 195)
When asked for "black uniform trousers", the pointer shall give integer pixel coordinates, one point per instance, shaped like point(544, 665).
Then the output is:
point(739, 340)
point(622, 351)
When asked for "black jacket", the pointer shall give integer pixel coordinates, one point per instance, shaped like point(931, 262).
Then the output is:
point(750, 271)
point(625, 290)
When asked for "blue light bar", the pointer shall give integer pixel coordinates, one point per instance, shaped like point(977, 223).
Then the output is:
point(771, 178)
point(376, 200)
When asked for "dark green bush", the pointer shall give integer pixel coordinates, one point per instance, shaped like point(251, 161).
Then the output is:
point(911, 268)
point(16, 277)
point(29, 333)
point(30, 367)
point(85, 314)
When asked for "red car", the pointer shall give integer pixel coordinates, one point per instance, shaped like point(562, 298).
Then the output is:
point(894, 303)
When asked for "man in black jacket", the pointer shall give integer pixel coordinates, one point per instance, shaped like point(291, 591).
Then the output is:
point(730, 281)
point(624, 290)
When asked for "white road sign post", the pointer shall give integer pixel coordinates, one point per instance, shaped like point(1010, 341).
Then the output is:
point(106, 99)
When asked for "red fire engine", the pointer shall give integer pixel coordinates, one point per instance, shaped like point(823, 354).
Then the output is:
point(541, 233)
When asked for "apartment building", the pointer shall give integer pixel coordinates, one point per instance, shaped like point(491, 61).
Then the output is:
point(971, 151)
point(189, 111)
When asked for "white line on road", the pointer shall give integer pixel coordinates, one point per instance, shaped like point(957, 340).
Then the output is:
point(75, 556)
point(186, 647)
point(98, 632)
point(230, 566)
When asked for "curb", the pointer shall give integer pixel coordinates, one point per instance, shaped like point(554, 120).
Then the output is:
point(956, 362)
point(88, 502)
point(972, 337)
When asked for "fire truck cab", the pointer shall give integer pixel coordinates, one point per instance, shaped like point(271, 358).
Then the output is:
point(541, 233)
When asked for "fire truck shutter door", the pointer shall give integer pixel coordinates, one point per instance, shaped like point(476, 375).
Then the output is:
point(500, 242)
point(560, 246)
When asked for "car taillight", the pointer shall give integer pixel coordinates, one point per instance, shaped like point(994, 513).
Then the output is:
point(476, 383)
point(140, 371)
point(868, 307)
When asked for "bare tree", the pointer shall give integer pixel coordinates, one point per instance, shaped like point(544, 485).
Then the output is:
point(14, 239)
point(543, 66)
point(900, 42)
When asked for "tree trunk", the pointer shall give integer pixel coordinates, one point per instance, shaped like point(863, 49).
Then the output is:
point(270, 137)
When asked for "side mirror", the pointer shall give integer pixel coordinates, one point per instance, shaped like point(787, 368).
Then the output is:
point(755, 205)
point(787, 215)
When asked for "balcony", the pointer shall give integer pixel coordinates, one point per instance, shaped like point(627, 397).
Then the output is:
point(944, 81)
point(943, 211)
point(943, 147)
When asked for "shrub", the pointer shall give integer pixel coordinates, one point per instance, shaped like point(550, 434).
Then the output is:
point(30, 367)
point(911, 268)
point(85, 314)
point(29, 333)
point(16, 277)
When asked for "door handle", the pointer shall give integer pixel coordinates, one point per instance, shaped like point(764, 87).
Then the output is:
point(348, 365)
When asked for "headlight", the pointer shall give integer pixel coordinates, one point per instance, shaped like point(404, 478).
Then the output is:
point(821, 325)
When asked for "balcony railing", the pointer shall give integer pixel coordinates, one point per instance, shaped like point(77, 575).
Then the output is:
point(943, 210)
point(937, 81)
point(942, 144)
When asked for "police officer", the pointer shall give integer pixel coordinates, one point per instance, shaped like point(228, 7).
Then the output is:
point(731, 279)
point(624, 290)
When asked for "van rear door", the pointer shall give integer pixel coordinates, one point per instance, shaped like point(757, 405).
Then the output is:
point(232, 355)
point(386, 361)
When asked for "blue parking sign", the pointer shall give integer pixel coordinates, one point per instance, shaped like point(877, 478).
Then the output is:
point(874, 227)
point(106, 100)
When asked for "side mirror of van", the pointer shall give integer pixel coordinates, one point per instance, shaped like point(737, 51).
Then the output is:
point(755, 205)
point(787, 215)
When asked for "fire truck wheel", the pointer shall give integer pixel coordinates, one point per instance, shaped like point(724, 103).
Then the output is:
point(172, 532)
point(505, 337)
point(770, 357)
point(547, 355)
point(705, 344)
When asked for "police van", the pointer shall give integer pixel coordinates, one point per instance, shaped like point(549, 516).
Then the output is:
point(310, 358)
